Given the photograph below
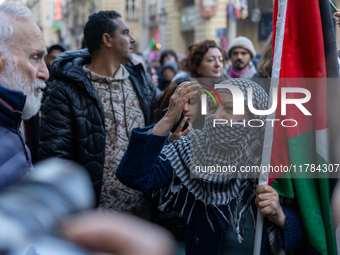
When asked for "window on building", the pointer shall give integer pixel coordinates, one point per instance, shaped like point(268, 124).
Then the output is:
point(152, 8)
point(187, 2)
point(131, 9)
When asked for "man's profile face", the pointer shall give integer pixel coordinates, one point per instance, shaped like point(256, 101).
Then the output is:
point(30, 72)
point(123, 41)
point(240, 58)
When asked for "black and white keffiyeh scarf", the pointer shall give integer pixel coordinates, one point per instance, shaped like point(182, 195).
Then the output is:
point(223, 145)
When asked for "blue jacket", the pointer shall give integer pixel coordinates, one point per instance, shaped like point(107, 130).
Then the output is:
point(15, 157)
point(144, 168)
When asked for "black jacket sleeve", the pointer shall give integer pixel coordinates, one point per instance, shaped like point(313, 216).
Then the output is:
point(57, 127)
point(72, 128)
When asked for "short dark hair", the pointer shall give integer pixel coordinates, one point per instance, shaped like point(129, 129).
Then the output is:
point(166, 53)
point(225, 55)
point(55, 47)
point(98, 24)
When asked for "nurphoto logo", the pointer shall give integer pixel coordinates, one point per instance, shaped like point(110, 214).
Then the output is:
point(238, 104)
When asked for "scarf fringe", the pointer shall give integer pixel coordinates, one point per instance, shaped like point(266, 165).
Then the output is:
point(165, 192)
point(173, 192)
point(239, 237)
point(206, 213)
point(185, 203)
point(192, 208)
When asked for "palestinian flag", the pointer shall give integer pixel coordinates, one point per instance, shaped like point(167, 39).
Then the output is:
point(303, 35)
point(153, 42)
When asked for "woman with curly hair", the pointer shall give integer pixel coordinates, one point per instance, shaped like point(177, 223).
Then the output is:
point(204, 60)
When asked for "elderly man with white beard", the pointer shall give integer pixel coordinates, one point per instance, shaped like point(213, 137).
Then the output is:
point(22, 75)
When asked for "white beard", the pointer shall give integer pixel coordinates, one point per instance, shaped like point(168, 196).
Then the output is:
point(14, 79)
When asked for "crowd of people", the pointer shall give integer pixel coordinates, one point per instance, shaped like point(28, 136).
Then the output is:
point(137, 128)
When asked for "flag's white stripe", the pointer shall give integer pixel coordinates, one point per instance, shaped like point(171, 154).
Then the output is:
point(147, 51)
point(268, 140)
point(322, 148)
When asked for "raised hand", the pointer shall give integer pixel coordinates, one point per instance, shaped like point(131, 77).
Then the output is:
point(177, 101)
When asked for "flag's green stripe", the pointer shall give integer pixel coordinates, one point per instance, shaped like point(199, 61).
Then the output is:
point(152, 43)
point(313, 195)
point(325, 195)
point(284, 186)
point(326, 212)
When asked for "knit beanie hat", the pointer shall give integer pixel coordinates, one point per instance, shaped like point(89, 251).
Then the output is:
point(242, 42)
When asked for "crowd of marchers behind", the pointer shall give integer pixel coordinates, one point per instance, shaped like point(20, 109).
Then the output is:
point(118, 115)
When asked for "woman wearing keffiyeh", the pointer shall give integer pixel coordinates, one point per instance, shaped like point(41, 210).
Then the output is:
point(218, 206)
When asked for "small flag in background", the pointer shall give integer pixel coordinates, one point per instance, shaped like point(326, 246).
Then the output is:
point(230, 9)
point(237, 6)
point(153, 42)
point(244, 9)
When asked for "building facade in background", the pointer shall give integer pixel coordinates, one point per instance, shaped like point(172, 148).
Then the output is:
point(62, 21)
point(180, 22)
point(192, 21)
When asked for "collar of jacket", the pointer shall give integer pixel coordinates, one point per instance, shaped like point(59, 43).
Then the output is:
point(11, 104)
point(69, 65)
point(138, 80)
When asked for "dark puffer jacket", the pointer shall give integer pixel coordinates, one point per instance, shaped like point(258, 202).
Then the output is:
point(73, 120)
point(15, 157)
